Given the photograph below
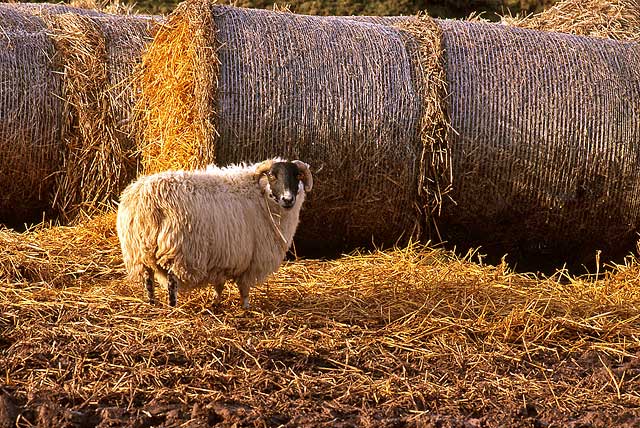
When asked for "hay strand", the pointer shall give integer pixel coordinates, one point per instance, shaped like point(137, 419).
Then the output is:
point(98, 56)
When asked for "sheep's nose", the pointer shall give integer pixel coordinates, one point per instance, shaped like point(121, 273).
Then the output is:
point(288, 200)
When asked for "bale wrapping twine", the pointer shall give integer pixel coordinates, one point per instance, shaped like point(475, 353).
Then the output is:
point(546, 141)
point(65, 123)
point(345, 97)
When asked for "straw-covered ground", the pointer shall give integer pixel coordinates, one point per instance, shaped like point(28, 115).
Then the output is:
point(408, 337)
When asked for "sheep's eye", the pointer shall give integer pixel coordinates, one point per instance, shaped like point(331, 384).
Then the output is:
point(300, 176)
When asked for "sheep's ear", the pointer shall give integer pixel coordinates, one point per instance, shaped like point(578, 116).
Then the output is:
point(307, 179)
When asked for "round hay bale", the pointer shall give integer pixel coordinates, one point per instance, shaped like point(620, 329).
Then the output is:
point(546, 148)
point(339, 94)
point(30, 119)
point(68, 109)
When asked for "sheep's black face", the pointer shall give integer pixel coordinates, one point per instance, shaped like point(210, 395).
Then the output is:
point(284, 183)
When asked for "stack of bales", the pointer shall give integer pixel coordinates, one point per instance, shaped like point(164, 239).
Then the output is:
point(66, 106)
point(481, 134)
point(513, 139)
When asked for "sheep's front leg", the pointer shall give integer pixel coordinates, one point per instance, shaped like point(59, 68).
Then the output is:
point(172, 287)
point(149, 285)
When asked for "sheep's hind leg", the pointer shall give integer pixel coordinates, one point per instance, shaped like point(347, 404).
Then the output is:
point(172, 287)
point(244, 286)
point(149, 285)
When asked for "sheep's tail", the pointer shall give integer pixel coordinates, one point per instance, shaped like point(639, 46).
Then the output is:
point(138, 225)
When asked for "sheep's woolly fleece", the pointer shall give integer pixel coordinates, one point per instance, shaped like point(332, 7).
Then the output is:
point(205, 226)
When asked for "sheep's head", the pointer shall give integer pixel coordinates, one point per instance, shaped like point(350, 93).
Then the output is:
point(281, 180)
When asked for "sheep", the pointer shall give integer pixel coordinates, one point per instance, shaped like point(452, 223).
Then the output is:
point(193, 228)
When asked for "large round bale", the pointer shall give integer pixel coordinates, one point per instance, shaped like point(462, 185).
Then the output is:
point(335, 94)
point(546, 141)
point(349, 98)
point(66, 76)
point(30, 117)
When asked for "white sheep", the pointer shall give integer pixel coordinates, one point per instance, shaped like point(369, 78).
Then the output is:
point(193, 228)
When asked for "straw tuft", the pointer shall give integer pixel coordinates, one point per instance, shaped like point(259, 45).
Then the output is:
point(178, 83)
point(59, 255)
point(613, 19)
point(435, 178)
point(94, 158)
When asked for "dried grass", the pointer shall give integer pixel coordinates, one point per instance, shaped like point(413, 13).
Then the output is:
point(95, 159)
point(57, 255)
point(613, 19)
point(414, 335)
point(177, 81)
point(435, 177)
